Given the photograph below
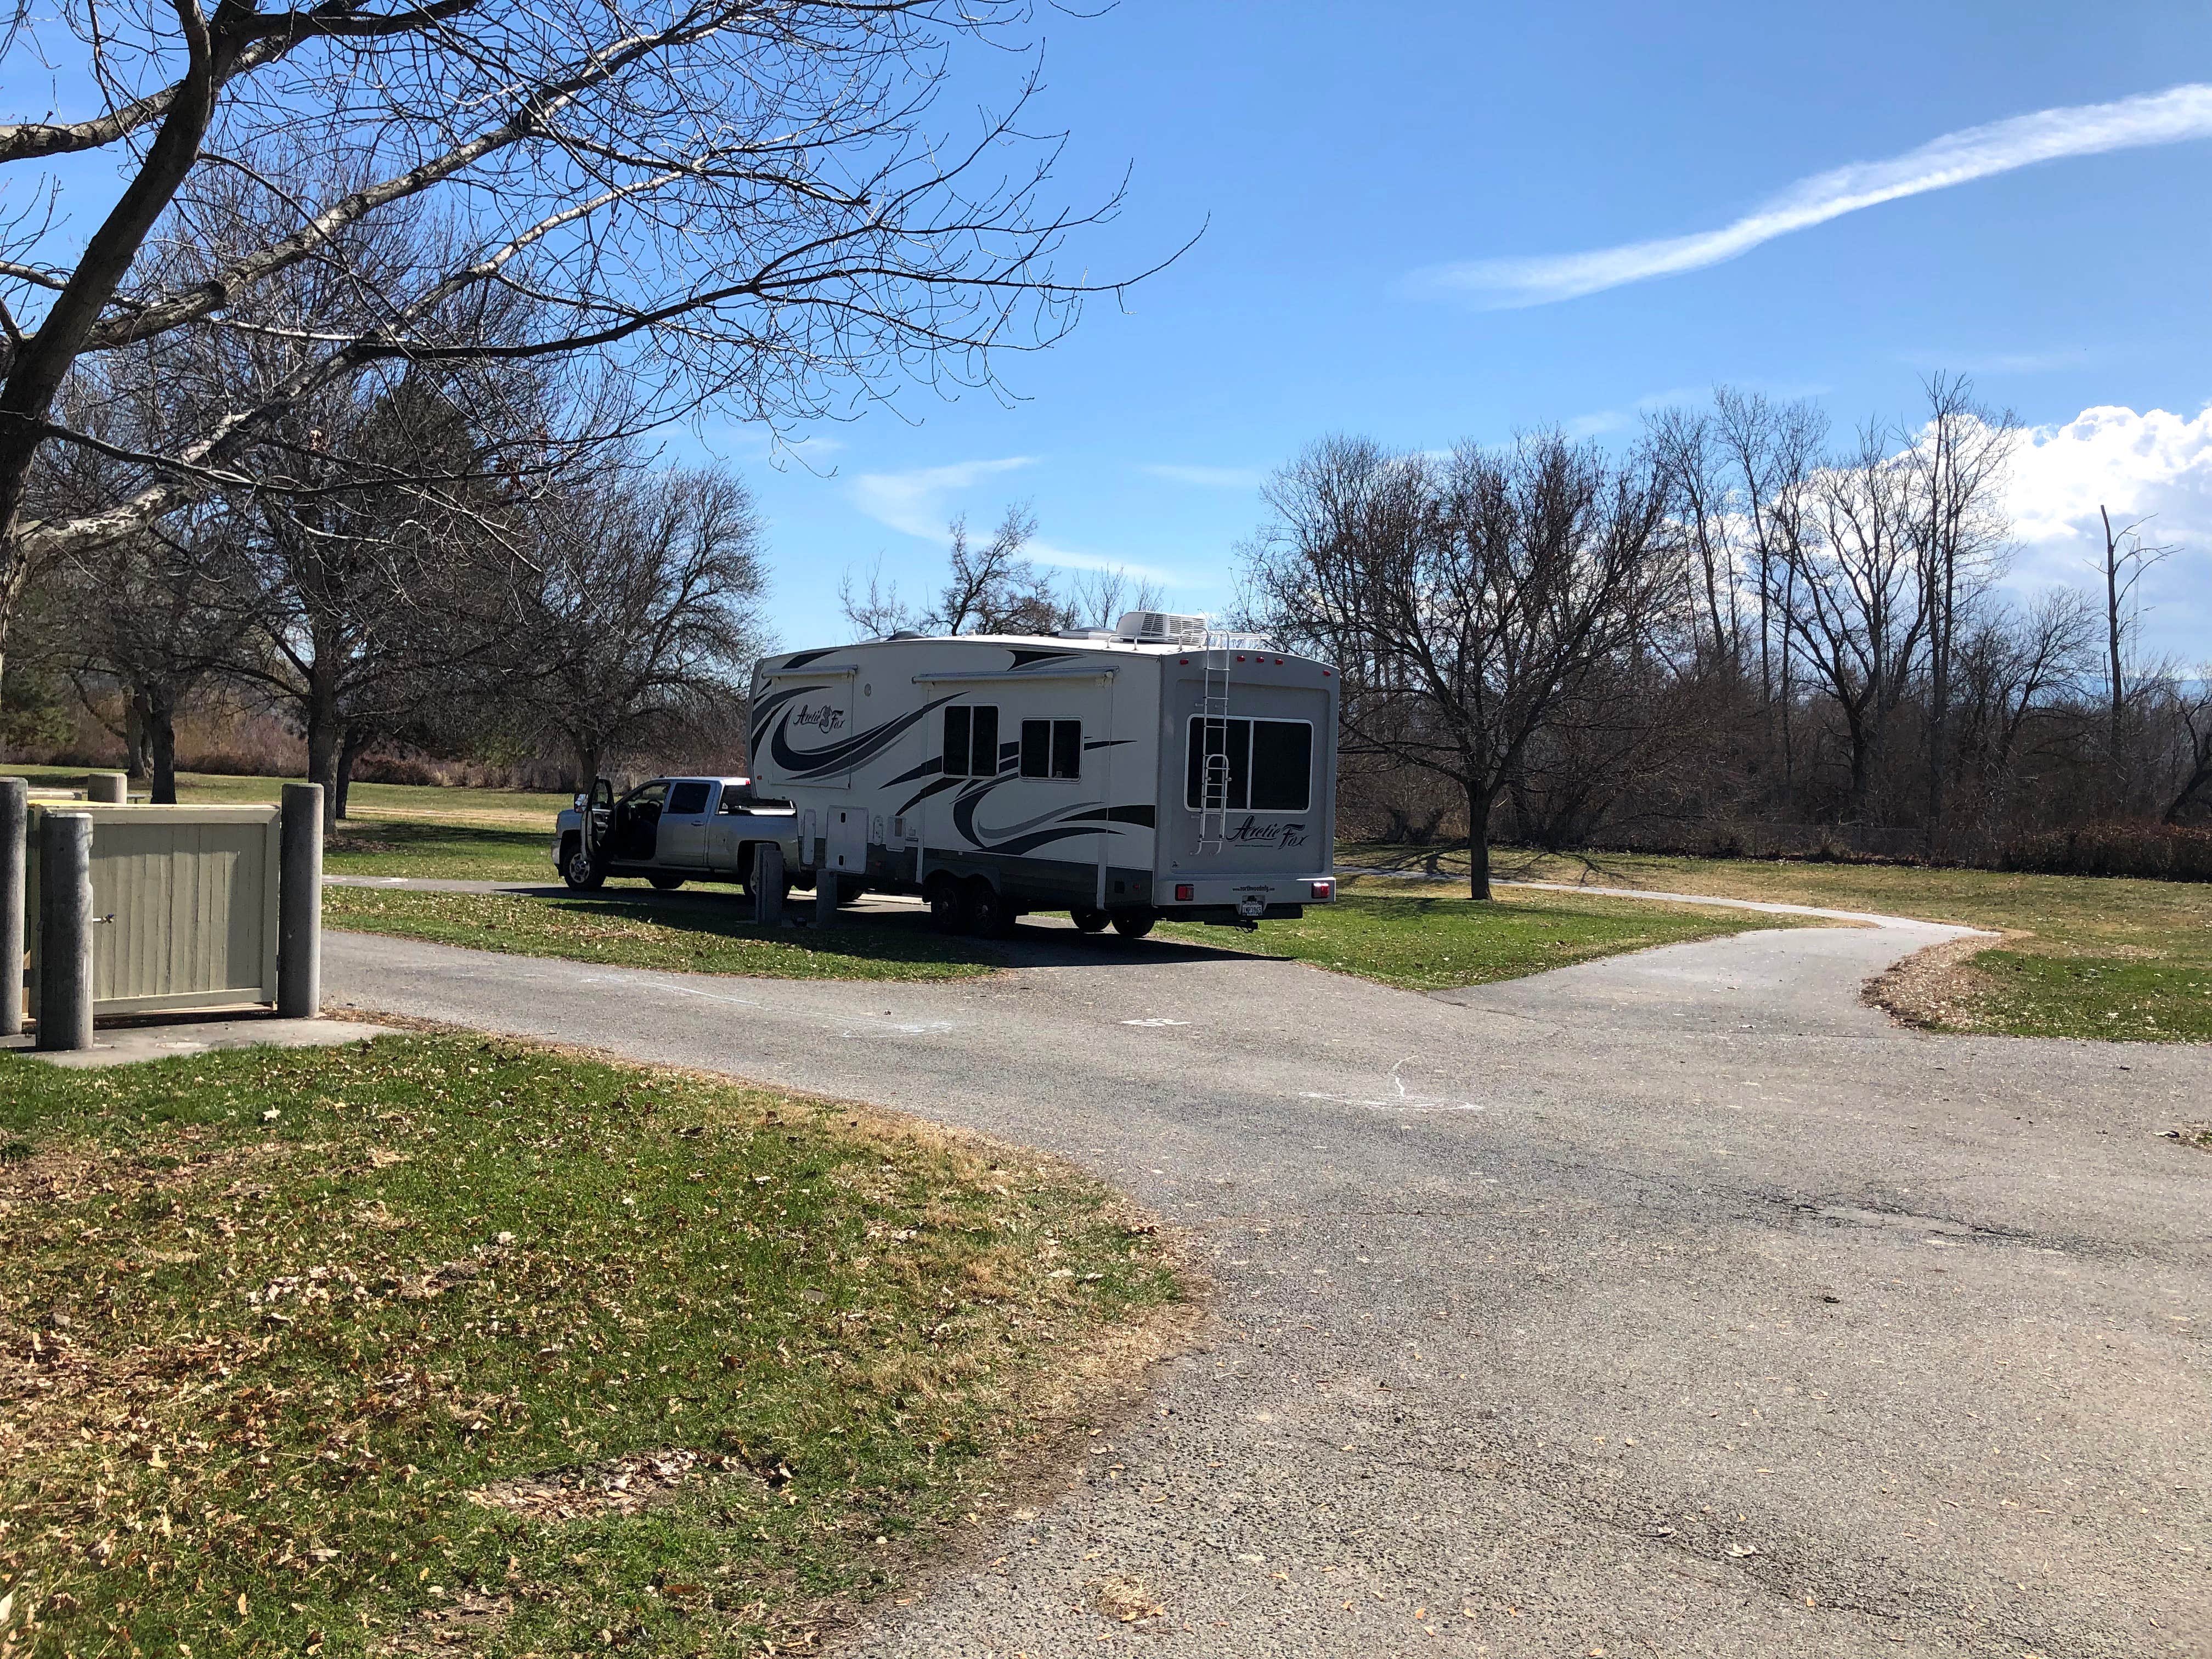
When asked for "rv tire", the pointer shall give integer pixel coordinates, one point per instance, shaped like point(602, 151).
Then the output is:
point(948, 905)
point(1090, 921)
point(1133, 924)
point(989, 916)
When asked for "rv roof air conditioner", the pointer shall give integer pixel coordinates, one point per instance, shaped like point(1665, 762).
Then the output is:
point(1160, 628)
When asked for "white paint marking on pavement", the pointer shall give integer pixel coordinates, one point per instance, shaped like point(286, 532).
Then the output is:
point(1155, 1022)
point(1400, 1101)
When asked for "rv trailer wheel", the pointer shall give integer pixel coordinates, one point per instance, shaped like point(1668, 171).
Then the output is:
point(1090, 921)
point(989, 915)
point(1133, 924)
point(577, 868)
point(664, 882)
point(948, 905)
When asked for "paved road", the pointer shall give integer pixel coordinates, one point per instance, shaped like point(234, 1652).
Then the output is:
point(1674, 1304)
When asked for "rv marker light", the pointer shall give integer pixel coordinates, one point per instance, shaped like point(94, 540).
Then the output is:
point(1183, 892)
point(1322, 890)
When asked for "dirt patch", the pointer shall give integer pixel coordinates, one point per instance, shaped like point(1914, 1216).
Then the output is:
point(1124, 1600)
point(2198, 1135)
point(1935, 989)
point(461, 1626)
point(621, 1485)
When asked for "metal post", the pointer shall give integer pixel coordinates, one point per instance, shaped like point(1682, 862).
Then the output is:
point(299, 903)
point(825, 898)
point(65, 930)
point(106, 788)
point(767, 883)
point(14, 852)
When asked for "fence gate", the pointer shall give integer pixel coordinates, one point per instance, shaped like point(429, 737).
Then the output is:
point(185, 902)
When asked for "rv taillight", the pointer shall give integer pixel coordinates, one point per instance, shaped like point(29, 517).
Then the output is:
point(1323, 889)
point(1184, 892)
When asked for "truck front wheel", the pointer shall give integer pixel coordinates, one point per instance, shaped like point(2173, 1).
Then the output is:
point(577, 869)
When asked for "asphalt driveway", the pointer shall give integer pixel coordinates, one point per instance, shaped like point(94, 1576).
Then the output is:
point(1674, 1304)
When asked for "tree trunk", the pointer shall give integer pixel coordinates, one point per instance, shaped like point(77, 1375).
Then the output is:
point(349, 752)
point(161, 740)
point(1479, 801)
point(137, 743)
point(323, 753)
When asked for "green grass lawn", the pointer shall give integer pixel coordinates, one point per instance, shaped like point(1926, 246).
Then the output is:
point(2102, 956)
point(344, 1352)
point(1432, 941)
point(445, 852)
point(707, 936)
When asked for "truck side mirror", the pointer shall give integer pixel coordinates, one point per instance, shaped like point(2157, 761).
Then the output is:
point(582, 800)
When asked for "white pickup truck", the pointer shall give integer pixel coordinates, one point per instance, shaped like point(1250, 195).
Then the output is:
point(669, 830)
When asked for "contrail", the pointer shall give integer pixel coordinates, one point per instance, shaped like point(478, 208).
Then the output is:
point(2160, 118)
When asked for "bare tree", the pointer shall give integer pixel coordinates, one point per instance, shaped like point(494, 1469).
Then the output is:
point(990, 587)
point(1856, 603)
point(647, 602)
point(1100, 599)
point(1469, 604)
point(1955, 471)
point(2126, 560)
point(741, 199)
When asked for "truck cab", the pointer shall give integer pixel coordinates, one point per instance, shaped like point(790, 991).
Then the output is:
point(668, 831)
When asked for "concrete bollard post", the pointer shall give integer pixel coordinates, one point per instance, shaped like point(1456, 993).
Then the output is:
point(15, 857)
point(299, 903)
point(825, 898)
point(767, 885)
point(106, 788)
point(65, 930)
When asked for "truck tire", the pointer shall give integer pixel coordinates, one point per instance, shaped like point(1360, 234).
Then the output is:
point(665, 881)
point(1090, 921)
point(577, 869)
point(989, 916)
point(948, 905)
point(1133, 924)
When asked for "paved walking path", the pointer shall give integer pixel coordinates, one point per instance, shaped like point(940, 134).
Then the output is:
point(1669, 1304)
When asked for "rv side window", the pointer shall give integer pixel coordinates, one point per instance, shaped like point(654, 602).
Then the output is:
point(1051, 749)
point(1257, 766)
point(971, 741)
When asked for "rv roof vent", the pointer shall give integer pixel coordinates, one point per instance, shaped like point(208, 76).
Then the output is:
point(1160, 628)
point(1085, 633)
point(906, 633)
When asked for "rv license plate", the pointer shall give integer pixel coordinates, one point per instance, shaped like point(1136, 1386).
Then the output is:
point(1251, 905)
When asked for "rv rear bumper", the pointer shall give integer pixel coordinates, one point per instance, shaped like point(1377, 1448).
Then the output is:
point(1173, 895)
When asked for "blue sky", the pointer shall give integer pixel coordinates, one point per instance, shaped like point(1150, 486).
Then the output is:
point(1340, 157)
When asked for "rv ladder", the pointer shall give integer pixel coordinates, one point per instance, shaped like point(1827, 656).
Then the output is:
point(1214, 775)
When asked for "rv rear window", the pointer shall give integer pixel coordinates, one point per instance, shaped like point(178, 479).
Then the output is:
point(1257, 766)
point(1051, 749)
point(971, 741)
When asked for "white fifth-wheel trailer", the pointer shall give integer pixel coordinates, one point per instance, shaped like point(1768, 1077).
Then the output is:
point(1155, 770)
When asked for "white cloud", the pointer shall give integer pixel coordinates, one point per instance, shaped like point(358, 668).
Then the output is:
point(1212, 478)
point(914, 502)
point(922, 501)
point(1956, 158)
point(2157, 466)
point(1593, 425)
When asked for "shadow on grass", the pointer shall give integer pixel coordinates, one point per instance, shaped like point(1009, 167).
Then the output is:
point(375, 837)
point(897, 935)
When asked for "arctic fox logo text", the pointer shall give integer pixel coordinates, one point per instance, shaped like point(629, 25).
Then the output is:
point(1252, 833)
point(828, 716)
